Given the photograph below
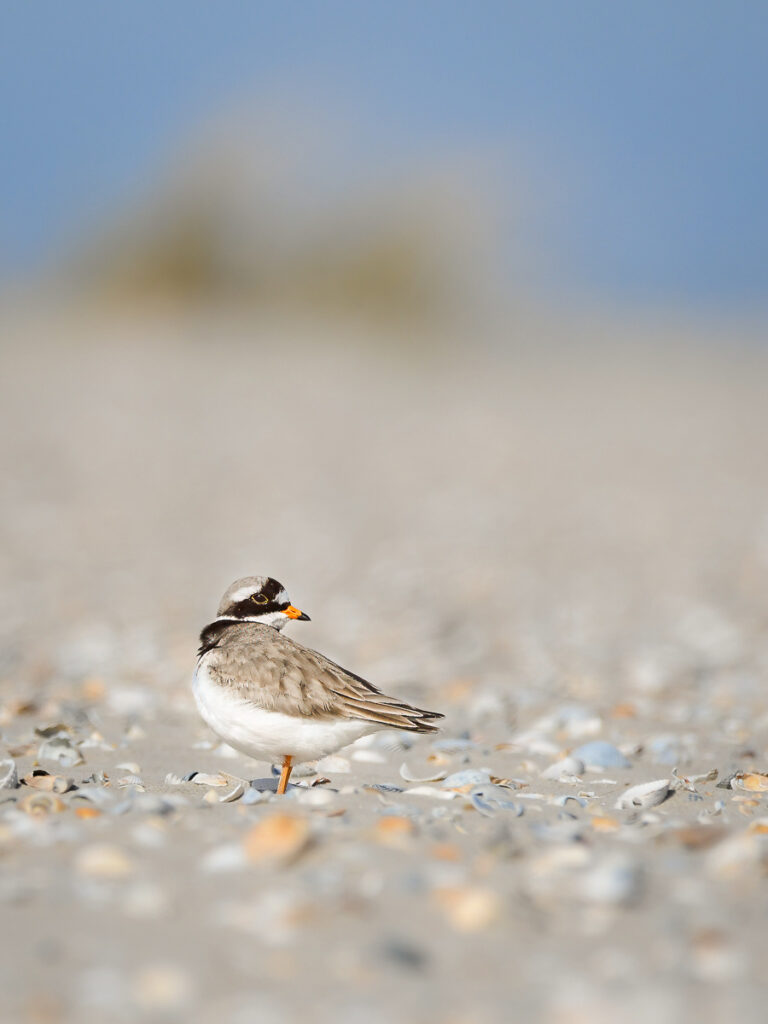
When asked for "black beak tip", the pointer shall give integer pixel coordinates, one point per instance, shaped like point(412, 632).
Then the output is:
point(304, 617)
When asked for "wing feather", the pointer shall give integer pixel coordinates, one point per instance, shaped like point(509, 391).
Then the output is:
point(279, 674)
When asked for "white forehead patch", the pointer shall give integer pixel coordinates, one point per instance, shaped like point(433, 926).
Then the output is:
point(243, 593)
point(282, 597)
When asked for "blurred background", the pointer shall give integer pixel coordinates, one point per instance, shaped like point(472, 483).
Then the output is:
point(451, 317)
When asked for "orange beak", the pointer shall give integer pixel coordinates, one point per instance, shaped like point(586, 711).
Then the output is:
point(294, 613)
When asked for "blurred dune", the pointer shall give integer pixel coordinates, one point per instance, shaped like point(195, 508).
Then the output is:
point(244, 217)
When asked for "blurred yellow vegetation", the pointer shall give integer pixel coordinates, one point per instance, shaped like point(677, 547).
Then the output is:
point(257, 225)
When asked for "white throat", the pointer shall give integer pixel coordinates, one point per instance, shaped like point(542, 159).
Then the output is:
point(275, 619)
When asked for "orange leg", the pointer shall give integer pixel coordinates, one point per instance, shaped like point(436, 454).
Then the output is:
point(285, 774)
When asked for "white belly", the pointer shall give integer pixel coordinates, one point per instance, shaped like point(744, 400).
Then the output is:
point(271, 735)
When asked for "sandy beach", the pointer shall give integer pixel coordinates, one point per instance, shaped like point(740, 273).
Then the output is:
point(567, 555)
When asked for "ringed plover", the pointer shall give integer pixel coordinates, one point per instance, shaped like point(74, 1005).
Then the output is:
point(276, 700)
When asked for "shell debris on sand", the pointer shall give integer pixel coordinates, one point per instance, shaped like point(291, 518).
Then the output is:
point(104, 861)
point(586, 838)
point(277, 839)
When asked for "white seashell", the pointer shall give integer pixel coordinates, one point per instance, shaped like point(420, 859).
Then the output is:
point(9, 776)
point(233, 794)
point(172, 779)
point(130, 780)
point(58, 748)
point(463, 780)
point(432, 791)
point(689, 782)
point(407, 774)
point(202, 779)
point(568, 768)
point(646, 794)
point(128, 766)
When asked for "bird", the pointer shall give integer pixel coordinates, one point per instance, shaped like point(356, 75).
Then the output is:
point(274, 699)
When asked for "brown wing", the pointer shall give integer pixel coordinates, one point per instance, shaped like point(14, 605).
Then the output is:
point(278, 674)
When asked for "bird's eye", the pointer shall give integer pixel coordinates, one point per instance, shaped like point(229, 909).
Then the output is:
point(259, 598)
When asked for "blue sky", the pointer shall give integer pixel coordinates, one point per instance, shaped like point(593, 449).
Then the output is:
point(647, 120)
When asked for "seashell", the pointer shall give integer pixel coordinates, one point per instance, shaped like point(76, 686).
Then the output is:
point(688, 782)
point(279, 839)
point(49, 731)
point(738, 856)
point(39, 804)
point(383, 787)
point(98, 795)
point(47, 783)
point(9, 776)
point(103, 860)
point(600, 754)
point(567, 769)
point(393, 830)
point(487, 799)
point(604, 823)
point(751, 782)
point(95, 739)
point(646, 794)
point(433, 791)
point(172, 779)
point(130, 780)
point(256, 796)
point(407, 774)
point(234, 794)
point(202, 779)
point(462, 781)
point(468, 908)
point(87, 812)
point(562, 800)
point(128, 766)
point(60, 748)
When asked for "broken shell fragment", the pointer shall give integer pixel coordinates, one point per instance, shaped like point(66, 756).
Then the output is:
point(9, 777)
point(234, 794)
point(689, 782)
point(463, 781)
point(202, 779)
point(646, 794)
point(47, 783)
point(60, 748)
point(600, 754)
point(39, 804)
point(409, 776)
point(752, 782)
